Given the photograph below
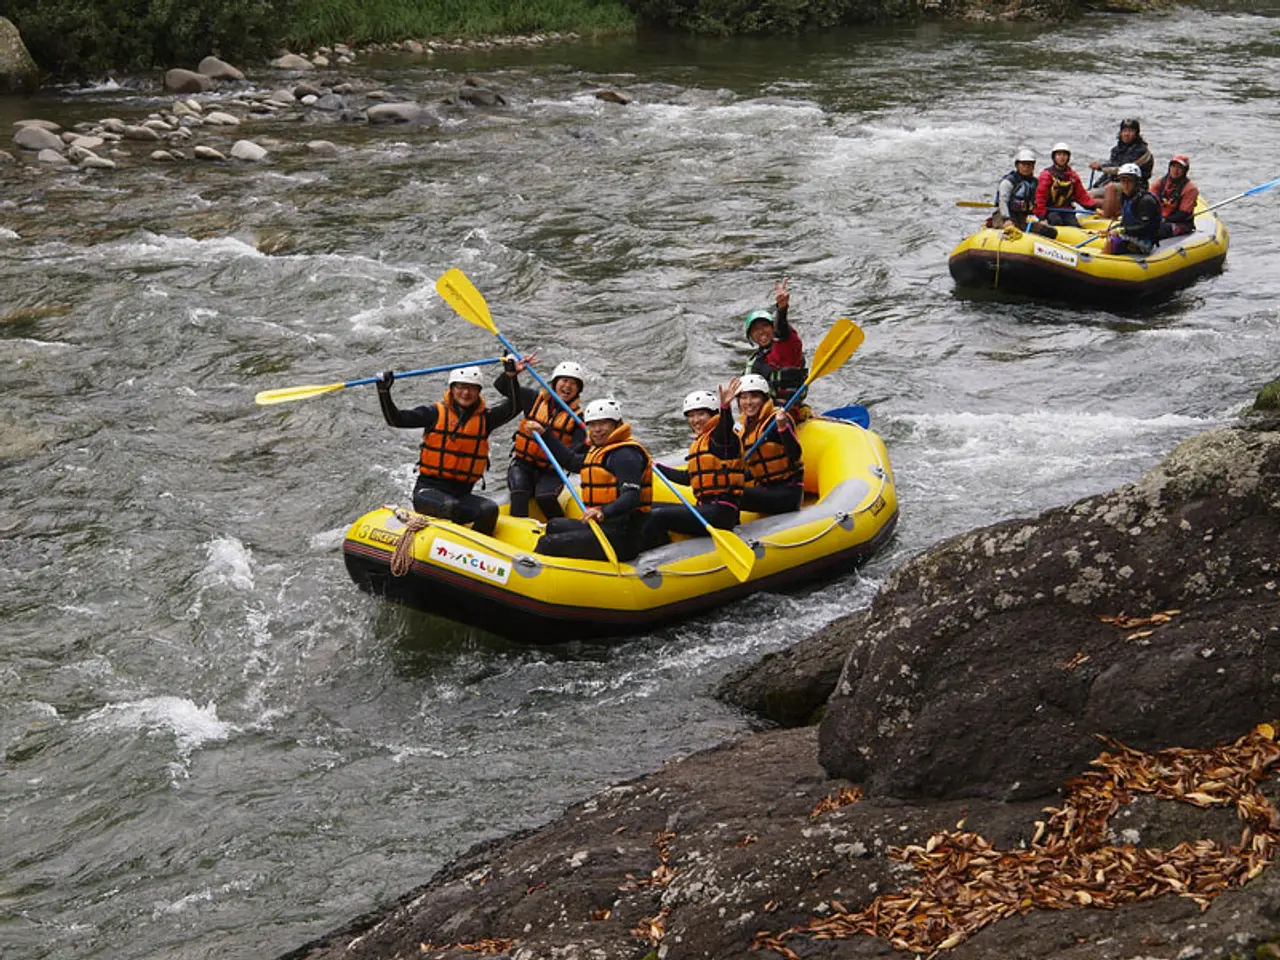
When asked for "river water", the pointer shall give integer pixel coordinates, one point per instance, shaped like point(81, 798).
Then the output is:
point(213, 745)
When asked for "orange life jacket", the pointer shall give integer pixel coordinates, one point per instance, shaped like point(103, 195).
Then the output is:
point(552, 416)
point(710, 477)
point(455, 449)
point(599, 486)
point(769, 465)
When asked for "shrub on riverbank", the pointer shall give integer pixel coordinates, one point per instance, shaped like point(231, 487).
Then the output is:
point(87, 37)
point(378, 21)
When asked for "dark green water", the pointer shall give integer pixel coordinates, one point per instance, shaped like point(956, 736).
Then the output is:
point(213, 746)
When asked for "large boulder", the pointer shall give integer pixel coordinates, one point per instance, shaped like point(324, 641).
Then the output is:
point(402, 112)
point(18, 72)
point(186, 81)
point(37, 138)
point(217, 69)
point(989, 664)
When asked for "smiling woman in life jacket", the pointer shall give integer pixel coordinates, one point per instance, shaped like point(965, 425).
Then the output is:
point(713, 471)
point(1139, 231)
point(530, 475)
point(617, 486)
point(1059, 187)
point(779, 354)
point(1177, 196)
point(1016, 194)
point(1129, 148)
point(775, 472)
point(455, 446)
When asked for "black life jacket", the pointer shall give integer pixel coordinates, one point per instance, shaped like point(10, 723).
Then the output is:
point(1023, 197)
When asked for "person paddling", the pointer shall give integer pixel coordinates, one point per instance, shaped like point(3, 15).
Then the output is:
point(1016, 194)
point(714, 470)
point(529, 474)
point(1139, 230)
point(779, 354)
point(617, 486)
point(1177, 196)
point(775, 472)
point(455, 446)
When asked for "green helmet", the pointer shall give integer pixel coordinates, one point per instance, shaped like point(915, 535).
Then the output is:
point(755, 315)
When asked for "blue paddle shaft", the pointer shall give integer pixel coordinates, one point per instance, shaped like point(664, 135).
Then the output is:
point(564, 478)
point(542, 383)
point(417, 373)
point(680, 496)
point(773, 426)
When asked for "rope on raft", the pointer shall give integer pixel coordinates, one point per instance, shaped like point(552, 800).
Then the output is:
point(402, 560)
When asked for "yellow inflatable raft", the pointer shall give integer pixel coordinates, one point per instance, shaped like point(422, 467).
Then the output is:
point(1064, 269)
point(499, 584)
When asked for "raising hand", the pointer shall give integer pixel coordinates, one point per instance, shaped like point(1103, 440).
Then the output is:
point(782, 293)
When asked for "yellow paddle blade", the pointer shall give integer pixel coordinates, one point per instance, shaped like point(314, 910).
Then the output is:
point(836, 347)
point(738, 557)
point(461, 294)
point(975, 204)
point(610, 554)
point(285, 394)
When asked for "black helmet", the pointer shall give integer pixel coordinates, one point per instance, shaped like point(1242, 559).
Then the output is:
point(1131, 123)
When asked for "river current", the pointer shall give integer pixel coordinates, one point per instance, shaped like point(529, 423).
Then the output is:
point(213, 744)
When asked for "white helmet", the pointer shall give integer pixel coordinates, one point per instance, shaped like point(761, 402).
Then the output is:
point(701, 400)
point(606, 409)
point(1026, 154)
point(571, 370)
point(1129, 170)
point(1060, 147)
point(466, 375)
point(753, 383)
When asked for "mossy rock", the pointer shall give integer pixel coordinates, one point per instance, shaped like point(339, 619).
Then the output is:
point(1268, 397)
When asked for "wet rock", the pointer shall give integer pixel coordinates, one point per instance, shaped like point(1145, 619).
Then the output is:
point(6, 157)
point(94, 162)
point(53, 158)
point(323, 148)
point(612, 96)
point(114, 125)
point(405, 112)
point(42, 124)
point(320, 61)
point(248, 150)
point(183, 109)
point(207, 153)
point(217, 69)
point(283, 96)
point(1268, 397)
point(178, 80)
point(291, 61)
point(986, 666)
point(479, 95)
point(38, 138)
point(413, 46)
point(307, 90)
point(88, 143)
point(164, 156)
point(140, 133)
point(18, 72)
point(219, 119)
point(330, 103)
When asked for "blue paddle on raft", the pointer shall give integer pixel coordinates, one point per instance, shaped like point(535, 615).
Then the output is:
point(461, 294)
point(854, 413)
point(836, 347)
point(285, 394)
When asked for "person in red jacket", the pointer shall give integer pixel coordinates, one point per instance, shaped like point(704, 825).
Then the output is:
point(779, 354)
point(1059, 187)
point(1177, 196)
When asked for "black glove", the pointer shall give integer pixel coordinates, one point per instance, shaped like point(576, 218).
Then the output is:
point(509, 365)
point(384, 380)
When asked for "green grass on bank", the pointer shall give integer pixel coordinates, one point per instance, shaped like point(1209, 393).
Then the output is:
point(319, 22)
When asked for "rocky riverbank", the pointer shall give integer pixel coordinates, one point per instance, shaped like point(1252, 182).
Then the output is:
point(1048, 737)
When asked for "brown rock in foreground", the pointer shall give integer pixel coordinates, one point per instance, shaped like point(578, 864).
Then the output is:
point(699, 858)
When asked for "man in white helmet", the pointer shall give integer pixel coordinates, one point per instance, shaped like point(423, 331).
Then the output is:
point(1059, 187)
point(714, 470)
point(1139, 230)
point(455, 446)
point(1016, 194)
point(529, 474)
point(775, 471)
point(617, 486)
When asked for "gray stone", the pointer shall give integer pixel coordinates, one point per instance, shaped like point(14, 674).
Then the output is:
point(218, 118)
point(320, 61)
point(7, 157)
point(114, 125)
point(140, 133)
point(403, 112)
point(208, 153)
point(37, 138)
point(331, 103)
point(18, 72)
point(178, 80)
point(94, 162)
point(163, 156)
point(217, 69)
point(479, 96)
point(291, 61)
point(88, 143)
point(42, 124)
point(248, 150)
point(324, 148)
point(53, 158)
point(612, 96)
point(305, 89)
